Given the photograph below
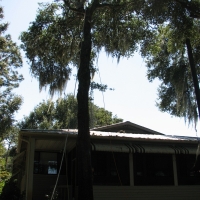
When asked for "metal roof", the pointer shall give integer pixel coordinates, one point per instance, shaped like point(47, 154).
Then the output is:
point(107, 135)
point(128, 126)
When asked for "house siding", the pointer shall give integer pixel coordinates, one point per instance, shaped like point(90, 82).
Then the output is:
point(146, 192)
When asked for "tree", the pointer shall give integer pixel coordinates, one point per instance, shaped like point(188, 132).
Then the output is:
point(40, 118)
point(169, 63)
point(10, 61)
point(62, 114)
point(101, 117)
point(174, 27)
point(67, 33)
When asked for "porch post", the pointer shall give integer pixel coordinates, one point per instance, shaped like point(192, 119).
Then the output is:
point(30, 165)
point(175, 170)
point(131, 169)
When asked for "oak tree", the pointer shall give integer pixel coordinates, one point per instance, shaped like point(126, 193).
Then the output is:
point(172, 55)
point(66, 33)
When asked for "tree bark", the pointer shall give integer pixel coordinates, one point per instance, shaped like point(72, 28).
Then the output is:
point(194, 74)
point(84, 167)
point(196, 166)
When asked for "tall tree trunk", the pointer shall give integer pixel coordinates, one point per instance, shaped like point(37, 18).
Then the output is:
point(84, 167)
point(196, 166)
point(194, 74)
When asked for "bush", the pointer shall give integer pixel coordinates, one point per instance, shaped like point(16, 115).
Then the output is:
point(11, 191)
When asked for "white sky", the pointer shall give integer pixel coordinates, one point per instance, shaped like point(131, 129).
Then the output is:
point(133, 98)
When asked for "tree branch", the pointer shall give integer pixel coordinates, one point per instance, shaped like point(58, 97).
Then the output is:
point(80, 11)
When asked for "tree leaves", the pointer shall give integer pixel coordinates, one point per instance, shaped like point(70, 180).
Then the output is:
point(53, 41)
point(10, 61)
point(62, 114)
point(51, 45)
point(167, 60)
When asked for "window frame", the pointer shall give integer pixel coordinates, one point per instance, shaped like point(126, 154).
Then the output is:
point(42, 169)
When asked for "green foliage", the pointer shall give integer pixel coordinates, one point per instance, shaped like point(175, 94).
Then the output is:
point(62, 114)
point(166, 55)
point(40, 117)
point(167, 60)
point(53, 41)
point(7, 152)
point(101, 117)
point(66, 112)
point(11, 191)
point(10, 61)
point(4, 174)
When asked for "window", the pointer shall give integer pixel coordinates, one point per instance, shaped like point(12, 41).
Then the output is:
point(153, 169)
point(47, 163)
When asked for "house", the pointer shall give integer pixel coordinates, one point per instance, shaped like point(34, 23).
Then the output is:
point(129, 162)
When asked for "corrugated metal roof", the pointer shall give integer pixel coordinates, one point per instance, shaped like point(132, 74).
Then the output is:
point(142, 136)
point(100, 134)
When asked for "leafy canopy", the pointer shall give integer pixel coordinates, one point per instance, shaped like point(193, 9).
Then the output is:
point(10, 61)
point(166, 54)
point(53, 41)
point(4, 174)
point(62, 114)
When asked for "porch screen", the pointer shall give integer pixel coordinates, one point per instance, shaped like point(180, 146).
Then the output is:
point(187, 174)
point(110, 168)
point(153, 169)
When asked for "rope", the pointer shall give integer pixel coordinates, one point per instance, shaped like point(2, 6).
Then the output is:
point(104, 106)
point(75, 84)
point(198, 149)
point(59, 168)
point(101, 91)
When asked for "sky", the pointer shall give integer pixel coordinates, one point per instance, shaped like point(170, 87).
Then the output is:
point(133, 98)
